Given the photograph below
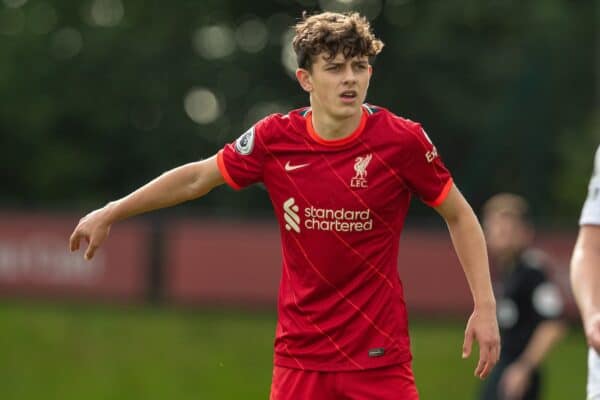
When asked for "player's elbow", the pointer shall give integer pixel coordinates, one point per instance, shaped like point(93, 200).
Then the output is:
point(198, 187)
point(205, 176)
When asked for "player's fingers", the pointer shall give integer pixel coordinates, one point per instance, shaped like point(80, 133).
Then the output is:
point(480, 367)
point(494, 354)
point(493, 357)
point(487, 368)
point(467, 344)
point(89, 253)
point(483, 366)
point(74, 240)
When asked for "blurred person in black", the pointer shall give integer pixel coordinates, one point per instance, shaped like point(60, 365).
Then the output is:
point(529, 305)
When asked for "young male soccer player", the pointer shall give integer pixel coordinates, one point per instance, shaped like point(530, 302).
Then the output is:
point(585, 277)
point(340, 175)
point(529, 305)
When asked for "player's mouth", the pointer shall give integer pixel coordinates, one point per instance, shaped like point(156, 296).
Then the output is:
point(349, 96)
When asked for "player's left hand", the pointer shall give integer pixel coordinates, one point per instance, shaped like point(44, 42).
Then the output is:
point(515, 381)
point(483, 327)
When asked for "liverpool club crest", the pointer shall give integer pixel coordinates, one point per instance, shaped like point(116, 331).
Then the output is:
point(360, 168)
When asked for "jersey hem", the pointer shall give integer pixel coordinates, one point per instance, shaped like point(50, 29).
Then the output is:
point(442, 196)
point(293, 364)
point(228, 179)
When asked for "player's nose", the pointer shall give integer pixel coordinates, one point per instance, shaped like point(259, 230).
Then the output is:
point(349, 75)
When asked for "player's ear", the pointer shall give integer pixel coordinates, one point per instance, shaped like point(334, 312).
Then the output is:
point(304, 79)
point(370, 70)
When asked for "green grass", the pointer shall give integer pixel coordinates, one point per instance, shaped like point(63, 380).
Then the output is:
point(87, 352)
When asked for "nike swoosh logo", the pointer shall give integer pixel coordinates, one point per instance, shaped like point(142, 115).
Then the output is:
point(290, 167)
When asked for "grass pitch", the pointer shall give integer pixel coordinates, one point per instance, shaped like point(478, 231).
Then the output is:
point(89, 352)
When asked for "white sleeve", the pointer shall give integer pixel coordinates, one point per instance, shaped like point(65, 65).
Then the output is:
point(590, 215)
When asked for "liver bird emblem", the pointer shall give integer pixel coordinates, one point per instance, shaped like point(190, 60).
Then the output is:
point(360, 166)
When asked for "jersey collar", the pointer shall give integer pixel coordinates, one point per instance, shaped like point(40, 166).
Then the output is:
point(336, 142)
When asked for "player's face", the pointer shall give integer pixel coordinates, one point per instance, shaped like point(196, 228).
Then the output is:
point(505, 234)
point(337, 86)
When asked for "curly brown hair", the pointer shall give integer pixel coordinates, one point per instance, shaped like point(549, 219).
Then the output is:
point(332, 33)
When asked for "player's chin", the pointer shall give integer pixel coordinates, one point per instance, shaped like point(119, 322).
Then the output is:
point(346, 110)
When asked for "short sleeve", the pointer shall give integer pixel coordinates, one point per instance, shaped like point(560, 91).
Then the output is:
point(590, 214)
point(242, 162)
point(424, 172)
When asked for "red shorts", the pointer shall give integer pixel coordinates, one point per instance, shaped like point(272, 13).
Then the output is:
point(389, 383)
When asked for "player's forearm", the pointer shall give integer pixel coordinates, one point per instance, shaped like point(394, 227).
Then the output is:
point(173, 187)
point(470, 247)
point(469, 244)
point(585, 272)
point(546, 335)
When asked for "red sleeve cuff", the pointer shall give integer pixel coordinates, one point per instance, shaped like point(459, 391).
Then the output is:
point(442, 196)
point(223, 169)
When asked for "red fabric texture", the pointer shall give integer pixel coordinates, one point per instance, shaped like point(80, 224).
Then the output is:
point(341, 210)
point(389, 383)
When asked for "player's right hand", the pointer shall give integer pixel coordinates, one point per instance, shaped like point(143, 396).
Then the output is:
point(93, 228)
point(592, 331)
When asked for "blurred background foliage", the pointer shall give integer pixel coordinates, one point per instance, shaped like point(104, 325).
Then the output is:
point(100, 96)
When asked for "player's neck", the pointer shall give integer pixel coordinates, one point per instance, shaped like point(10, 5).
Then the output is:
point(331, 128)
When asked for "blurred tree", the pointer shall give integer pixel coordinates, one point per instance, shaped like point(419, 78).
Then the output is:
point(99, 96)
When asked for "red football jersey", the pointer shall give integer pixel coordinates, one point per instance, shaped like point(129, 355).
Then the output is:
point(341, 206)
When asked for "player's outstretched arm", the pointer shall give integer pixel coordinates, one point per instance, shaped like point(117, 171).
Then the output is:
point(176, 186)
point(469, 244)
point(585, 281)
